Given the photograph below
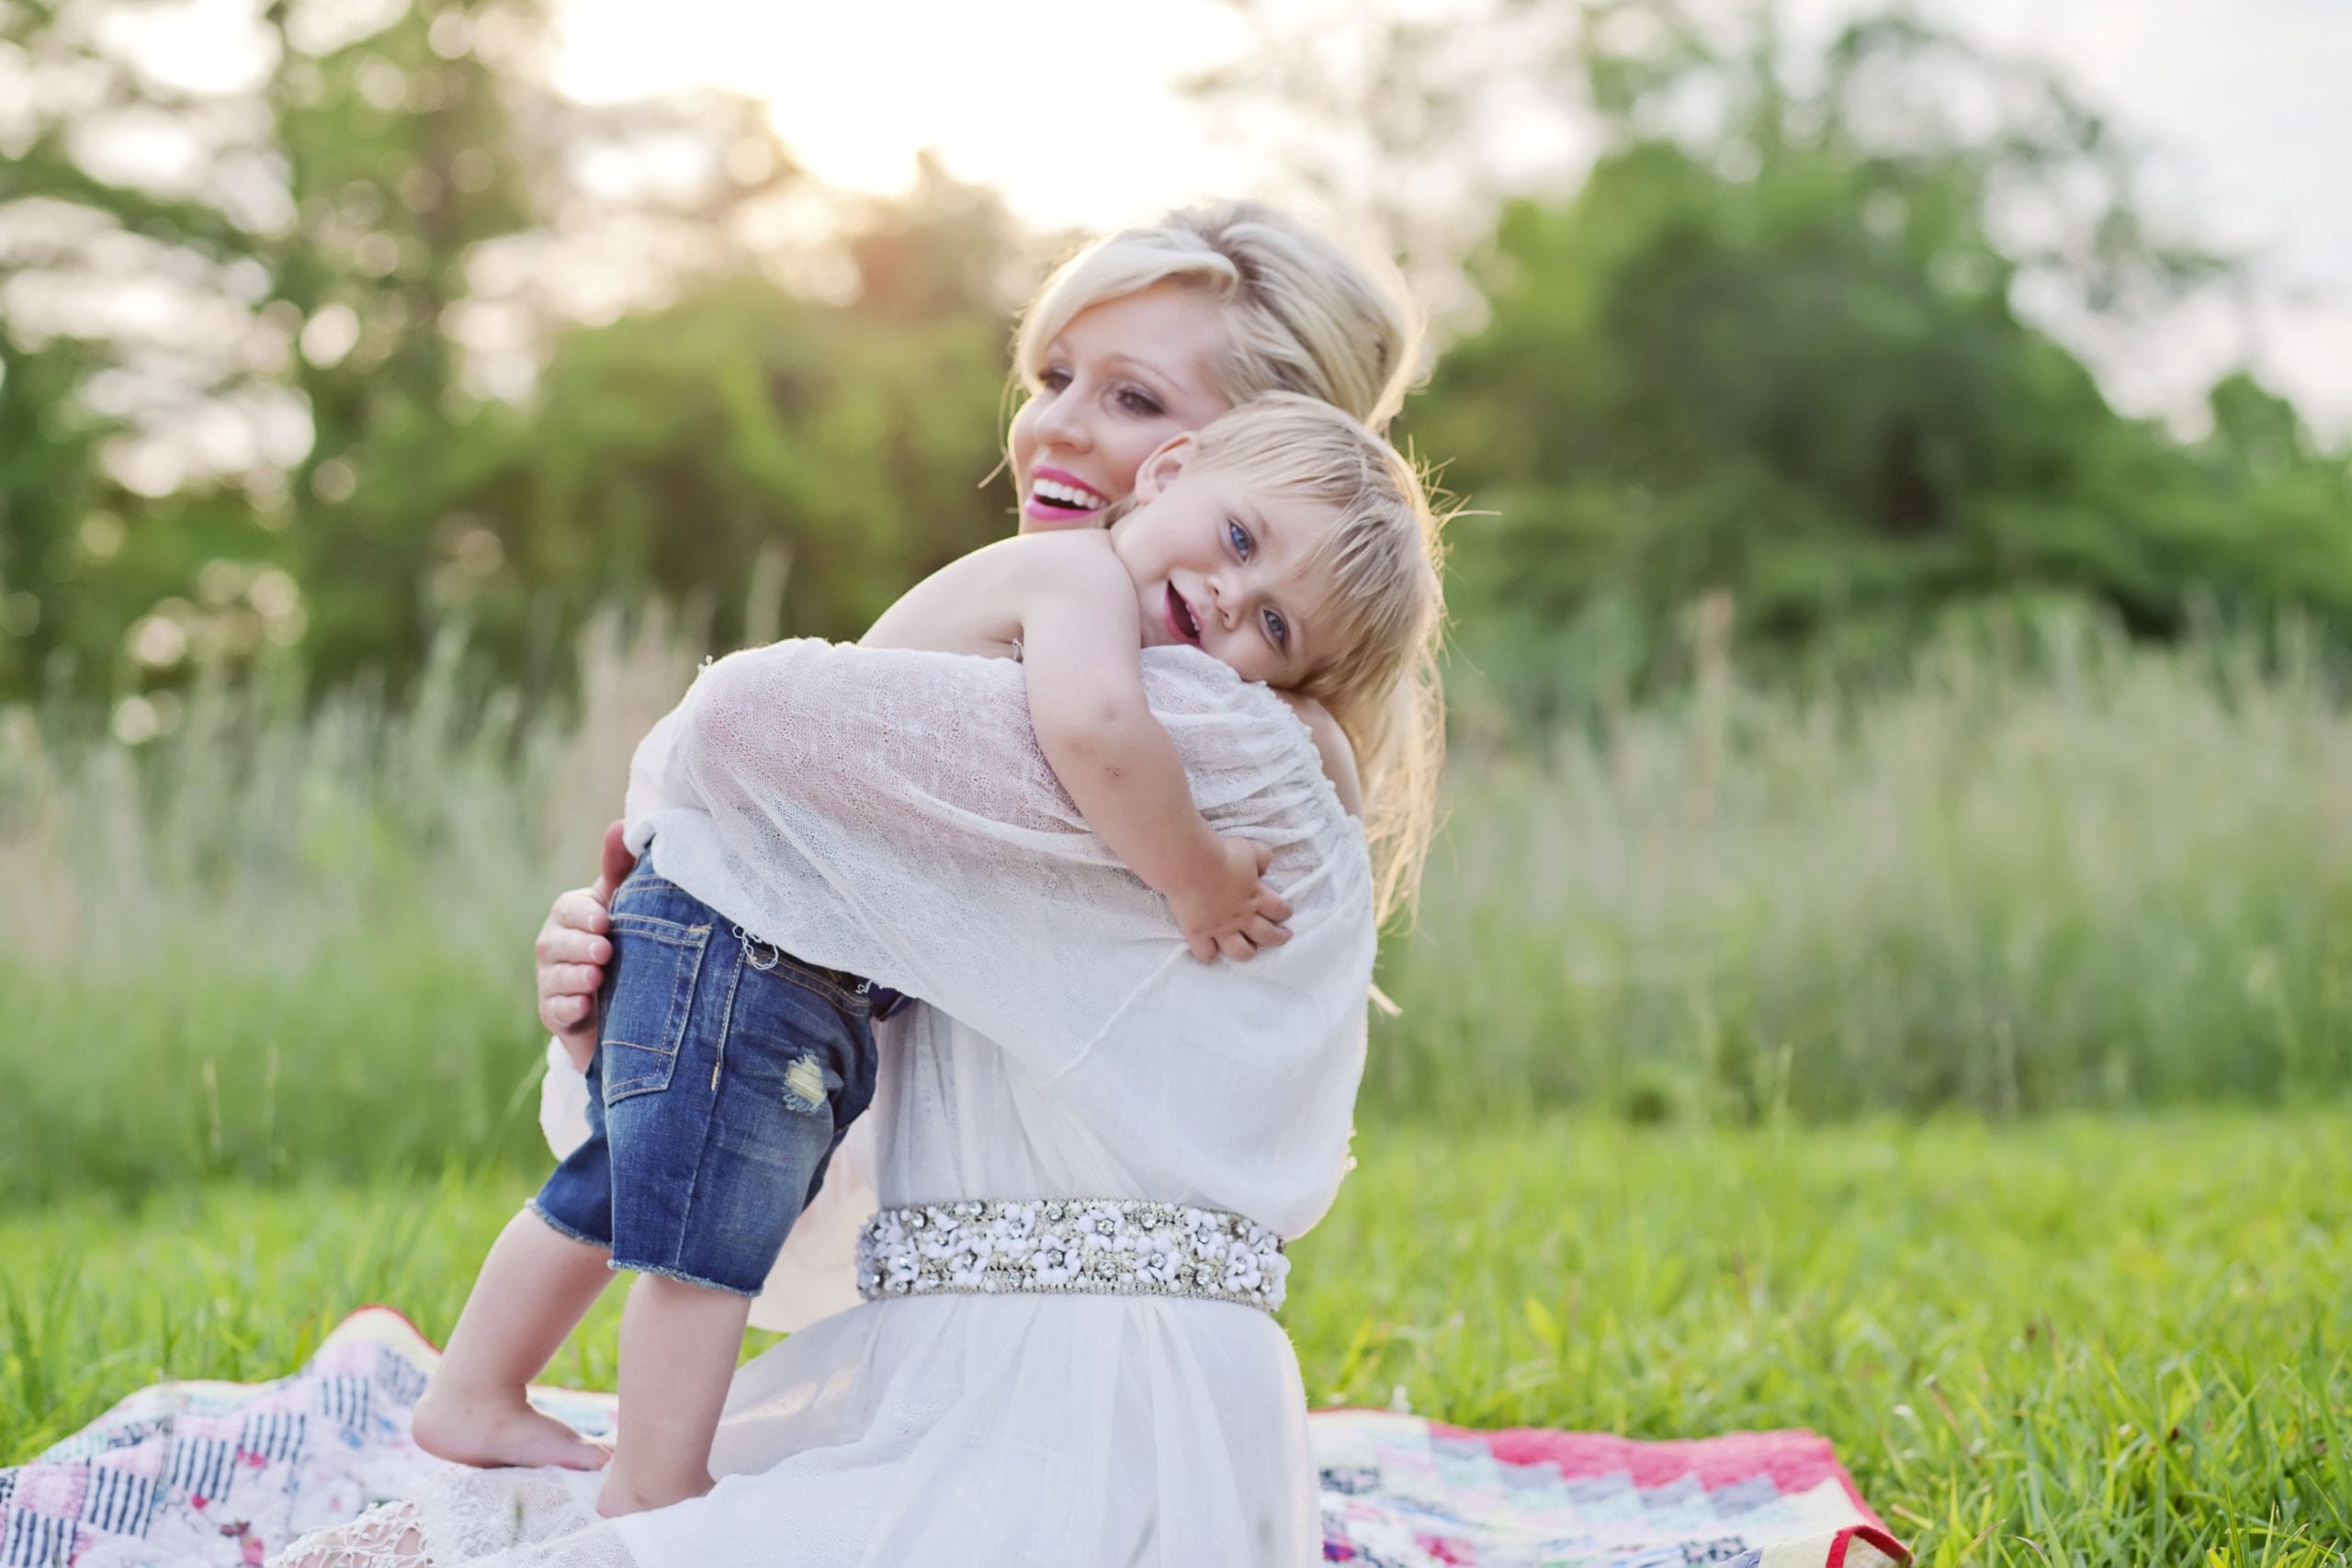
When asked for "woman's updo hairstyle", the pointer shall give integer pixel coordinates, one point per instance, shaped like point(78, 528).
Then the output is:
point(1303, 314)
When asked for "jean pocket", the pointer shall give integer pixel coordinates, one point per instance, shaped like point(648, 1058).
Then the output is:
point(650, 997)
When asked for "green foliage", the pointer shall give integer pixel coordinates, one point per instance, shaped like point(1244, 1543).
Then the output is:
point(47, 490)
point(1772, 348)
point(667, 453)
point(324, 236)
point(1784, 362)
point(333, 243)
point(2098, 1342)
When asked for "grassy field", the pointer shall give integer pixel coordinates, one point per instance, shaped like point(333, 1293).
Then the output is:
point(1942, 1067)
point(2094, 1341)
point(2074, 874)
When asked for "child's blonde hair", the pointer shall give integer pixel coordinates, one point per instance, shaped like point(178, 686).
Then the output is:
point(1302, 315)
point(1381, 559)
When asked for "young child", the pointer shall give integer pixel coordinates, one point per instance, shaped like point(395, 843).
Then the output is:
point(1285, 540)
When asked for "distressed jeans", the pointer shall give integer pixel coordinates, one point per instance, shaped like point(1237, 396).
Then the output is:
point(726, 1074)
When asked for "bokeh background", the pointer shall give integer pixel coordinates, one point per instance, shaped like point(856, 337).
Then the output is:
point(1901, 614)
point(1898, 618)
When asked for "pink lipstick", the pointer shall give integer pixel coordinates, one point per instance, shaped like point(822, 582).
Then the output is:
point(1058, 496)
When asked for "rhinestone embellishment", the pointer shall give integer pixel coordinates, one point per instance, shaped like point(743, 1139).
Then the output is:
point(1099, 1247)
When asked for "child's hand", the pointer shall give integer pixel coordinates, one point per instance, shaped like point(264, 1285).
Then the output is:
point(1231, 910)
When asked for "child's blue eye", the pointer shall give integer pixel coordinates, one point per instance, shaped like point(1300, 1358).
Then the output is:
point(1278, 628)
point(1240, 537)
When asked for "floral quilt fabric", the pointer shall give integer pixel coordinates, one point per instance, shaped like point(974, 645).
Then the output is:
point(224, 1475)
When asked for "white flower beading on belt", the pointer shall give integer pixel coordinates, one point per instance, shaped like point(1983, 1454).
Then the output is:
point(1099, 1246)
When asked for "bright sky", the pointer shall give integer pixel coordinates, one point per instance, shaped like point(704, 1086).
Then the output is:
point(1068, 107)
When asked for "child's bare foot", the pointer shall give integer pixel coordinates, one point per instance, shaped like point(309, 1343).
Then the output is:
point(624, 1494)
point(498, 1431)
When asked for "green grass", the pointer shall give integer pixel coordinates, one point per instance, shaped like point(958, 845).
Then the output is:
point(2077, 874)
point(2092, 877)
point(2088, 1341)
point(258, 973)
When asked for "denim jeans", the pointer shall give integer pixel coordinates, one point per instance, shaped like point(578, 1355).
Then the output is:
point(725, 1073)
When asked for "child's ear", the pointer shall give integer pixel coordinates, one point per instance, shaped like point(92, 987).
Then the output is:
point(1159, 470)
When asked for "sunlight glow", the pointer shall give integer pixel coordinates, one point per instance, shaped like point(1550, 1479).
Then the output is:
point(1065, 106)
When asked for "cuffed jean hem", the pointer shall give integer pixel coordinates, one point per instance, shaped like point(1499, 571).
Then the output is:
point(617, 1266)
point(582, 1237)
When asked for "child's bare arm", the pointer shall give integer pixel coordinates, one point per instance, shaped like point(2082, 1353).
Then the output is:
point(1081, 631)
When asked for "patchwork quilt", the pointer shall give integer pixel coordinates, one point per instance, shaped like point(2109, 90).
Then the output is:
point(225, 1475)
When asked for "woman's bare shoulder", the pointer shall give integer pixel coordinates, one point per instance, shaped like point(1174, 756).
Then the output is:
point(1331, 742)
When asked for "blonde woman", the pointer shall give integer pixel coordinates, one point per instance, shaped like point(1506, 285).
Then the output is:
point(1137, 338)
point(1088, 1147)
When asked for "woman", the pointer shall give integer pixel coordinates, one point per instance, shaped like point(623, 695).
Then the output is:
point(1067, 1051)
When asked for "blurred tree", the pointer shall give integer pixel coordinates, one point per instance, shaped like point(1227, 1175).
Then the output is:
point(388, 216)
point(389, 335)
point(399, 163)
point(309, 226)
point(675, 451)
point(49, 489)
point(1768, 344)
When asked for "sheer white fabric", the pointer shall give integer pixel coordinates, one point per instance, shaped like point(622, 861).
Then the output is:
point(384, 1537)
point(518, 1518)
point(888, 812)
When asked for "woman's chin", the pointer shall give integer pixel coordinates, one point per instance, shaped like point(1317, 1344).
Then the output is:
point(1043, 515)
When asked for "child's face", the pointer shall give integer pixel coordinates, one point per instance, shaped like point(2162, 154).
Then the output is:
point(1225, 571)
point(1125, 376)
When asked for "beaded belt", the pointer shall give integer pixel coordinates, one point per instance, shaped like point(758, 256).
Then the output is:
point(1097, 1245)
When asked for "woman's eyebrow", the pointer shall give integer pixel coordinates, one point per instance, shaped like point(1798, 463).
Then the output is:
point(1157, 372)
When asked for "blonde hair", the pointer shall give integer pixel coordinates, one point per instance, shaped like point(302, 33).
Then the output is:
point(1382, 560)
point(1302, 315)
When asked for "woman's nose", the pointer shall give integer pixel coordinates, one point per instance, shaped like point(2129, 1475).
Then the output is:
point(1062, 424)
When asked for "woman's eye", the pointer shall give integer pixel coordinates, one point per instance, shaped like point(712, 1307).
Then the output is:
point(1278, 628)
point(1139, 402)
point(1239, 537)
point(1055, 379)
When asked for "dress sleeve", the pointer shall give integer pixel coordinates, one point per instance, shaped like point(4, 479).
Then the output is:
point(563, 1103)
point(887, 812)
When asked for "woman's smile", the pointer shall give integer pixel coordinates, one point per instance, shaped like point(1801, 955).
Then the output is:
point(1057, 495)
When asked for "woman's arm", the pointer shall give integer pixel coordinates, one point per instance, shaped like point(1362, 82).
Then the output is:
point(891, 814)
point(572, 947)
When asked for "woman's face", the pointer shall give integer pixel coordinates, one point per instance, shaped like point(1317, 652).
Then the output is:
point(1121, 378)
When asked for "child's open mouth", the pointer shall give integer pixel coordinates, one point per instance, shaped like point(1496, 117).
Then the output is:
point(1181, 619)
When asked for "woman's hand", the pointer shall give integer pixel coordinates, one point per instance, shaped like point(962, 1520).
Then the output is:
point(573, 950)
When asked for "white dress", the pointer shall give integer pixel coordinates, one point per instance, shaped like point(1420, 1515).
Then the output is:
point(888, 812)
